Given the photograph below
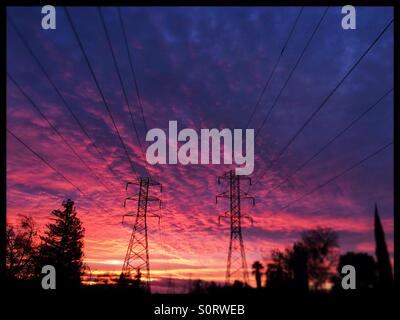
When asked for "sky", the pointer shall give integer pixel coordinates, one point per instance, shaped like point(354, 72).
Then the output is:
point(205, 68)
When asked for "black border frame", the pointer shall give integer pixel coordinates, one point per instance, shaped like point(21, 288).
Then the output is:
point(392, 3)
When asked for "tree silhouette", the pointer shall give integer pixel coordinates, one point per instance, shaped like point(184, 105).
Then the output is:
point(257, 267)
point(198, 287)
point(298, 261)
point(278, 272)
point(20, 249)
point(289, 268)
point(321, 245)
point(275, 277)
point(238, 285)
point(133, 281)
point(62, 246)
point(309, 260)
point(365, 266)
point(382, 255)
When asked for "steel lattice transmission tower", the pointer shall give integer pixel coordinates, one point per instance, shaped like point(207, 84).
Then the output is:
point(236, 265)
point(136, 263)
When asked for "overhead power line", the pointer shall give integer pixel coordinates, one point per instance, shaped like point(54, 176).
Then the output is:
point(333, 139)
point(274, 68)
point(52, 167)
point(60, 95)
point(57, 132)
point(355, 165)
point(333, 91)
point(291, 73)
point(99, 88)
point(103, 23)
point(132, 68)
point(46, 162)
point(316, 111)
point(133, 72)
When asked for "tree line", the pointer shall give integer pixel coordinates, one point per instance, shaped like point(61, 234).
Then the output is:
point(314, 263)
point(61, 246)
point(311, 263)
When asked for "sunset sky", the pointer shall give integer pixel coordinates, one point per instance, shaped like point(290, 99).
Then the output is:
point(205, 68)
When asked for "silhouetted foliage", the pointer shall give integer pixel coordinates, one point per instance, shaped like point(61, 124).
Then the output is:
point(385, 275)
point(213, 287)
point(289, 269)
point(198, 287)
point(62, 246)
point(276, 278)
point(366, 272)
point(321, 245)
point(298, 264)
point(257, 267)
point(308, 261)
point(278, 273)
point(21, 249)
point(134, 281)
point(237, 284)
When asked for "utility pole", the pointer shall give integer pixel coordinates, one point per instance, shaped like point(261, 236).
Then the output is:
point(236, 263)
point(136, 263)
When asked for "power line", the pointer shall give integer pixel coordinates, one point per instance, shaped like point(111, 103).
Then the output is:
point(98, 87)
point(270, 162)
point(131, 67)
point(46, 162)
point(333, 139)
point(340, 174)
point(51, 166)
point(74, 116)
point(274, 68)
point(119, 75)
point(333, 91)
point(56, 131)
point(291, 73)
point(137, 255)
point(315, 112)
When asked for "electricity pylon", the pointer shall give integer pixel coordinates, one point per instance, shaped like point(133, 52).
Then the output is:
point(236, 263)
point(136, 263)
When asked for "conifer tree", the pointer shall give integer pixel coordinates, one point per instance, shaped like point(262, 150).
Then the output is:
point(62, 246)
point(385, 276)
